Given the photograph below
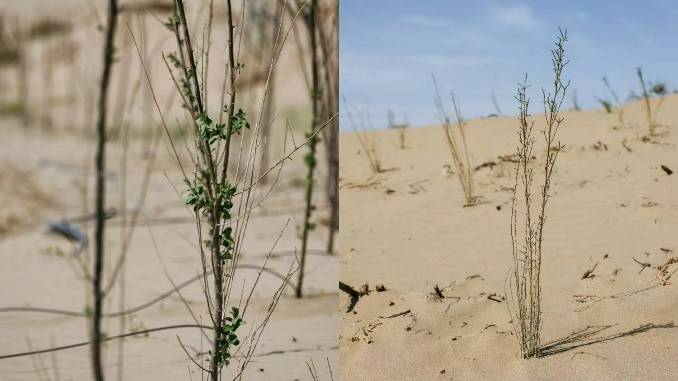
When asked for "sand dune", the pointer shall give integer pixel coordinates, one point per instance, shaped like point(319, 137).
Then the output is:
point(406, 228)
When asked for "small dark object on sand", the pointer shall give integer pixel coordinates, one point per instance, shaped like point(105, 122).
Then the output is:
point(589, 273)
point(438, 292)
point(70, 232)
point(352, 293)
point(667, 170)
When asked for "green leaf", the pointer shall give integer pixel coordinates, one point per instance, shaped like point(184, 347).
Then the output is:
point(172, 22)
point(239, 122)
point(209, 131)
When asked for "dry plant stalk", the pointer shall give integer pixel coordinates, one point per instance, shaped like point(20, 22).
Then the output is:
point(268, 110)
point(310, 157)
point(366, 140)
point(658, 89)
point(619, 108)
point(527, 230)
point(97, 364)
point(458, 146)
point(646, 99)
point(329, 106)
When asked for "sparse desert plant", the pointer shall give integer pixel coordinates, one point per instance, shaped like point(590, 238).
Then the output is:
point(659, 89)
point(496, 104)
point(400, 127)
point(327, 55)
point(224, 197)
point(220, 197)
point(575, 101)
point(365, 139)
point(330, 108)
point(606, 105)
point(262, 27)
point(527, 224)
point(618, 105)
point(310, 158)
point(646, 99)
point(458, 146)
point(100, 163)
point(315, 376)
point(401, 135)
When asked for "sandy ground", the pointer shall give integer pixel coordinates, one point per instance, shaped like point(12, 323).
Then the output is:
point(43, 170)
point(406, 228)
point(38, 269)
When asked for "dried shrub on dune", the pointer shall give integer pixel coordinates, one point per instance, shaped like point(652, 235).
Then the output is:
point(365, 139)
point(659, 89)
point(458, 146)
point(618, 108)
point(527, 219)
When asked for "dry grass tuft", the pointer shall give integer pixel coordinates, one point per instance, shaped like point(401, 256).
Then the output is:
point(658, 89)
point(458, 146)
point(365, 139)
point(618, 107)
point(527, 231)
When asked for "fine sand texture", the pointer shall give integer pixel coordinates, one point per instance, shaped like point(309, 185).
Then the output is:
point(41, 178)
point(613, 210)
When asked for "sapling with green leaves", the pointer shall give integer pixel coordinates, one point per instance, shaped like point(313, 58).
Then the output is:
point(527, 229)
point(210, 192)
point(221, 190)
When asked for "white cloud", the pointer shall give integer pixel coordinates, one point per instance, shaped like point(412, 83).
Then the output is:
point(521, 16)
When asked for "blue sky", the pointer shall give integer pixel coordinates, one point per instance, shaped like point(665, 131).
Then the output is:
point(389, 48)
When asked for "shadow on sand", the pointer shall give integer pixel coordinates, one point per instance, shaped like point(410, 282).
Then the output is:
point(591, 335)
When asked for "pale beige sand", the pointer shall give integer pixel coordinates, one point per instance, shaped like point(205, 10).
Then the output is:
point(37, 269)
point(42, 172)
point(406, 228)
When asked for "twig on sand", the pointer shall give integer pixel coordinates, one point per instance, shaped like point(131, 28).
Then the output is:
point(643, 265)
point(438, 292)
point(494, 298)
point(352, 293)
point(667, 170)
point(625, 144)
point(398, 314)
point(588, 353)
point(589, 273)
